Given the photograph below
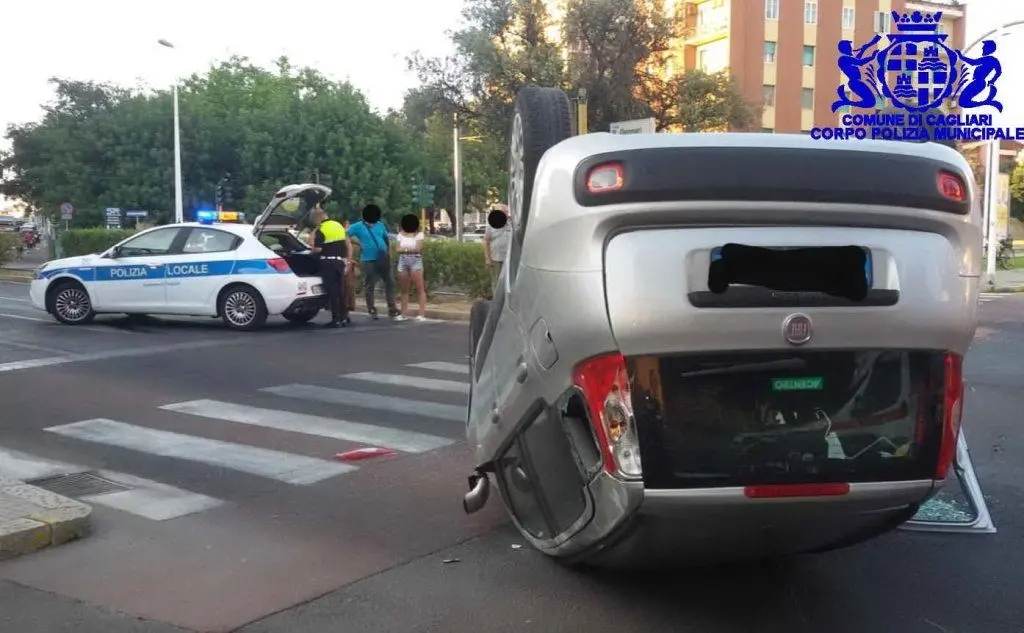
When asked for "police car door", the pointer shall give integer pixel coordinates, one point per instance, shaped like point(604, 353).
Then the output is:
point(198, 271)
point(131, 276)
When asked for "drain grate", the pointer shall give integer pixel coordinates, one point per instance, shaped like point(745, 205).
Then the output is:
point(78, 485)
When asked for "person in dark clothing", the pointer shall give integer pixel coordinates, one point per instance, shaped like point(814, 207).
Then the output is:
point(331, 243)
point(375, 257)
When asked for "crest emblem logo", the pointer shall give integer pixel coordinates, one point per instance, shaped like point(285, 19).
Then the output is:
point(797, 329)
point(917, 71)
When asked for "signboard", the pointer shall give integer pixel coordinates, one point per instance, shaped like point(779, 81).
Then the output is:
point(66, 210)
point(113, 218)
point(136, 214)
point(637, 126)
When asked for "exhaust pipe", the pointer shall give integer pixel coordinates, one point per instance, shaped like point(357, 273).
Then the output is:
point(479, 492)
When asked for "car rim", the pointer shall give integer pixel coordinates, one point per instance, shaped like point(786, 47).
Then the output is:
point(516, 169)
point(72, 304)
point(240, 308)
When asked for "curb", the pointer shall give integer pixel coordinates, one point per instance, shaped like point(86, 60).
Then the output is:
point(1006, 289)
point(32, 519)
point(447, 315)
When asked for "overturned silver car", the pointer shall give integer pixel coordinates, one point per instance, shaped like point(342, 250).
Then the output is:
point(706, 347)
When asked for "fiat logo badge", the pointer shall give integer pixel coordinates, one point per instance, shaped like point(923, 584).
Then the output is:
point(797, 329)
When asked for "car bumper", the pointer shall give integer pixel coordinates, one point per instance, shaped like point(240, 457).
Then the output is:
point(37, 293)
point(632, 526)
point(302, 292)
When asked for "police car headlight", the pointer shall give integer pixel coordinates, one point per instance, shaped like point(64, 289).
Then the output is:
point(39, 272)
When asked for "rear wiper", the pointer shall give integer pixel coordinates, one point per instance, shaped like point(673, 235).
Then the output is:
point(791, 363)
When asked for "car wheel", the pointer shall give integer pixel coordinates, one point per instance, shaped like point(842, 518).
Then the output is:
point(300, 318)
point(542, 118)
point(69, 303)
point(242, 308)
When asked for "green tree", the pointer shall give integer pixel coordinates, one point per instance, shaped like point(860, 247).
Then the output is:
point(1017, 192)
point(100, 146)
point(696, 101)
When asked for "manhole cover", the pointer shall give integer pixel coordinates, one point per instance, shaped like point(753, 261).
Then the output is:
point(77, 485)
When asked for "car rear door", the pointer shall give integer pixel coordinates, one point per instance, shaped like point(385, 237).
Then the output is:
point(195, 274)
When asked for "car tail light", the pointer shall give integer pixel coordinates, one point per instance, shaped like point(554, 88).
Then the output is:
point(952, 410)
point(952, 187)
point(604, 178)
point(605, 386)
point(279, 264)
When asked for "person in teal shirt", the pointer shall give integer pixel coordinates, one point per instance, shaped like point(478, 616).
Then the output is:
point(375, 257)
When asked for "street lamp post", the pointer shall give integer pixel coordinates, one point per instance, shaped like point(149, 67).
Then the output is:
point(179, 213)
point(992, 160)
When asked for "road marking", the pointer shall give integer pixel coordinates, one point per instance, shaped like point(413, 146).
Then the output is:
point(455, 368)
point(415, 382)
point(34, 348)
point(370, 401)
point(406, 441)
point(15, 299)
point(149, 499)
point(23, 318)
point(123, 353)
point(297, 470)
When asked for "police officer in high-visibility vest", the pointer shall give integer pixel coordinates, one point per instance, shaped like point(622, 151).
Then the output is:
point(331, 243)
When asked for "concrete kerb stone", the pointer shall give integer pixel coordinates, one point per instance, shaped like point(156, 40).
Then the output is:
point(32, 519)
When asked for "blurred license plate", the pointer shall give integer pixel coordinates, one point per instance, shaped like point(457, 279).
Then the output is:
point(716, 254)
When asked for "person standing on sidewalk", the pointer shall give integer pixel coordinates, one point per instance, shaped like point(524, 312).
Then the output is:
point(375, 258)
point(332, 245)
point(410, 264)
point(496, 241)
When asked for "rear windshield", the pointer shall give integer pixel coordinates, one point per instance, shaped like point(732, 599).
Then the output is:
point(807, 417)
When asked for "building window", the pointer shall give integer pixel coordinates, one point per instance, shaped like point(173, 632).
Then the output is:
point(843, 110)
point(771, 9)
point(881, 22)
point(810, 13)
point(807, 98)
point(848, 18)
point(702, 60)
point(769, 96)
point(808, 55)
point(769, 52)
point(941, 28)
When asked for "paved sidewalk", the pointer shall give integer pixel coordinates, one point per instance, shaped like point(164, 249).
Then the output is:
point(32, 519)
point(1010, 280)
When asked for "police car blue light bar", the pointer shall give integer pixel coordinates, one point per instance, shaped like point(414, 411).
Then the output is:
point(206, 216)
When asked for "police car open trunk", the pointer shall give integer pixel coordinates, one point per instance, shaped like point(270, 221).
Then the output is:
point(789, 320)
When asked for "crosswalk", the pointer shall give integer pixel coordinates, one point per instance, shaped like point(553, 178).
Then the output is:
point(985, 297)
point(444, 381)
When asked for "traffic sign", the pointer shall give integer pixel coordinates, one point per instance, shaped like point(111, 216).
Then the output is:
point(136, 214)
point(66, 210)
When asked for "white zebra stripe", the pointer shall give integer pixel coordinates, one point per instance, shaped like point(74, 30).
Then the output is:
point(413, 382)
point(455, 368)
point(406, 441)
point(292, 469)
point(365, 400)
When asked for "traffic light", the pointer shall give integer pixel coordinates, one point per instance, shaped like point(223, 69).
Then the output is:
point(229, 194)
point(220, 194)
point(415, 189)
point(428, 195)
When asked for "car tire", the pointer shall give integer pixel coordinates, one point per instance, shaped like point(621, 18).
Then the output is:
point(300, 318)
point(70, 304)
point(241, 307)
point(542, 118)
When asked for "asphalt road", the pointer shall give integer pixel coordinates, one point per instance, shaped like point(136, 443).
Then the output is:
point(213, 535)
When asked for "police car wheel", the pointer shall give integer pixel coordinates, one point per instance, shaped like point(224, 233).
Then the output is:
point(69, 303)
point(242, 308)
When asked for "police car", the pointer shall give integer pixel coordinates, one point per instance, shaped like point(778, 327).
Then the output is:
point(240, 273)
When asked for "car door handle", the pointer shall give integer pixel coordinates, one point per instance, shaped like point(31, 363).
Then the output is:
point(523, 373)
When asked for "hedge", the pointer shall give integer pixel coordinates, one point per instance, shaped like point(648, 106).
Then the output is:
point(9, 247)
point(448, 265)
point(77, 242)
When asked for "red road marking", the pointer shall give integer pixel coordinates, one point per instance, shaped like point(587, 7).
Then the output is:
point(358, 454)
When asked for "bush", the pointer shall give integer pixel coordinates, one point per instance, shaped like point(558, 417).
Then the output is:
point(77, 242)
point(9, 247)
point(450, 266)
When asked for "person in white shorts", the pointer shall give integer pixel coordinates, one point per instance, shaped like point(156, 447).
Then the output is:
point(410, 265)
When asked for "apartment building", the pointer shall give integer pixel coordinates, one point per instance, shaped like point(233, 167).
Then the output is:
point(783, 52)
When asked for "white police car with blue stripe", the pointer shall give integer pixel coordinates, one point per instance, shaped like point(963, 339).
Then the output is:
point(237, 272)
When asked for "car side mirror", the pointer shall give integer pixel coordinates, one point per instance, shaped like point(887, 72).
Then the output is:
point(114, 252)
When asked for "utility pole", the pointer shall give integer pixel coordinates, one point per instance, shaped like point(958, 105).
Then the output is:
point(457, 163)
